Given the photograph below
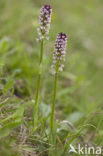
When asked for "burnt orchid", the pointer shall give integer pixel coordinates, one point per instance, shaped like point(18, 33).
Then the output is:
point(45, 20)
point(43, 30)
point(59, 52)
point(58, 64)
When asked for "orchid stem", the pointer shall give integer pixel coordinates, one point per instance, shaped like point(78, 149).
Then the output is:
point(52, 138)
point(35, 118)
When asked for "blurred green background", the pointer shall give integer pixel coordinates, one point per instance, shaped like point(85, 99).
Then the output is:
point(80, 85)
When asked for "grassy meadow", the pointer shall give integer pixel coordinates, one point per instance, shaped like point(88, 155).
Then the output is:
point(79, 100)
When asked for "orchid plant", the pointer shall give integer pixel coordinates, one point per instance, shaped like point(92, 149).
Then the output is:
point(43, 32)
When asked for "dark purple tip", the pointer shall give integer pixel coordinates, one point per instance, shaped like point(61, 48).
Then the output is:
point(62, 36)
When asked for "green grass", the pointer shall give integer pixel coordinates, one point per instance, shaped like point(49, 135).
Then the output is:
point(79, 98)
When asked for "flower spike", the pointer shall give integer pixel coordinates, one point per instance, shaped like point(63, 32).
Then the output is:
point(45, 20)
point(60, 51)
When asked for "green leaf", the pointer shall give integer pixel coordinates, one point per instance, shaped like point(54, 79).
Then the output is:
point(45, 109)
point(14, 123)
point(6, 130)
point(75, 117)
point(16, 116)
point(8, 86)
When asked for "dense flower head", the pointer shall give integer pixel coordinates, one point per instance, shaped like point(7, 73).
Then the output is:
point(60, 51)
point(45, 20)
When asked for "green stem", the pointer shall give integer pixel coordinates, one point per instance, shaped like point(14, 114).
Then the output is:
point(52, 139)
point(38, 88)
point(53, 105)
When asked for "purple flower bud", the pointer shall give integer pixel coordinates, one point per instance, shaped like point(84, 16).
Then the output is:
point(45, 20)
point(60, 51)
